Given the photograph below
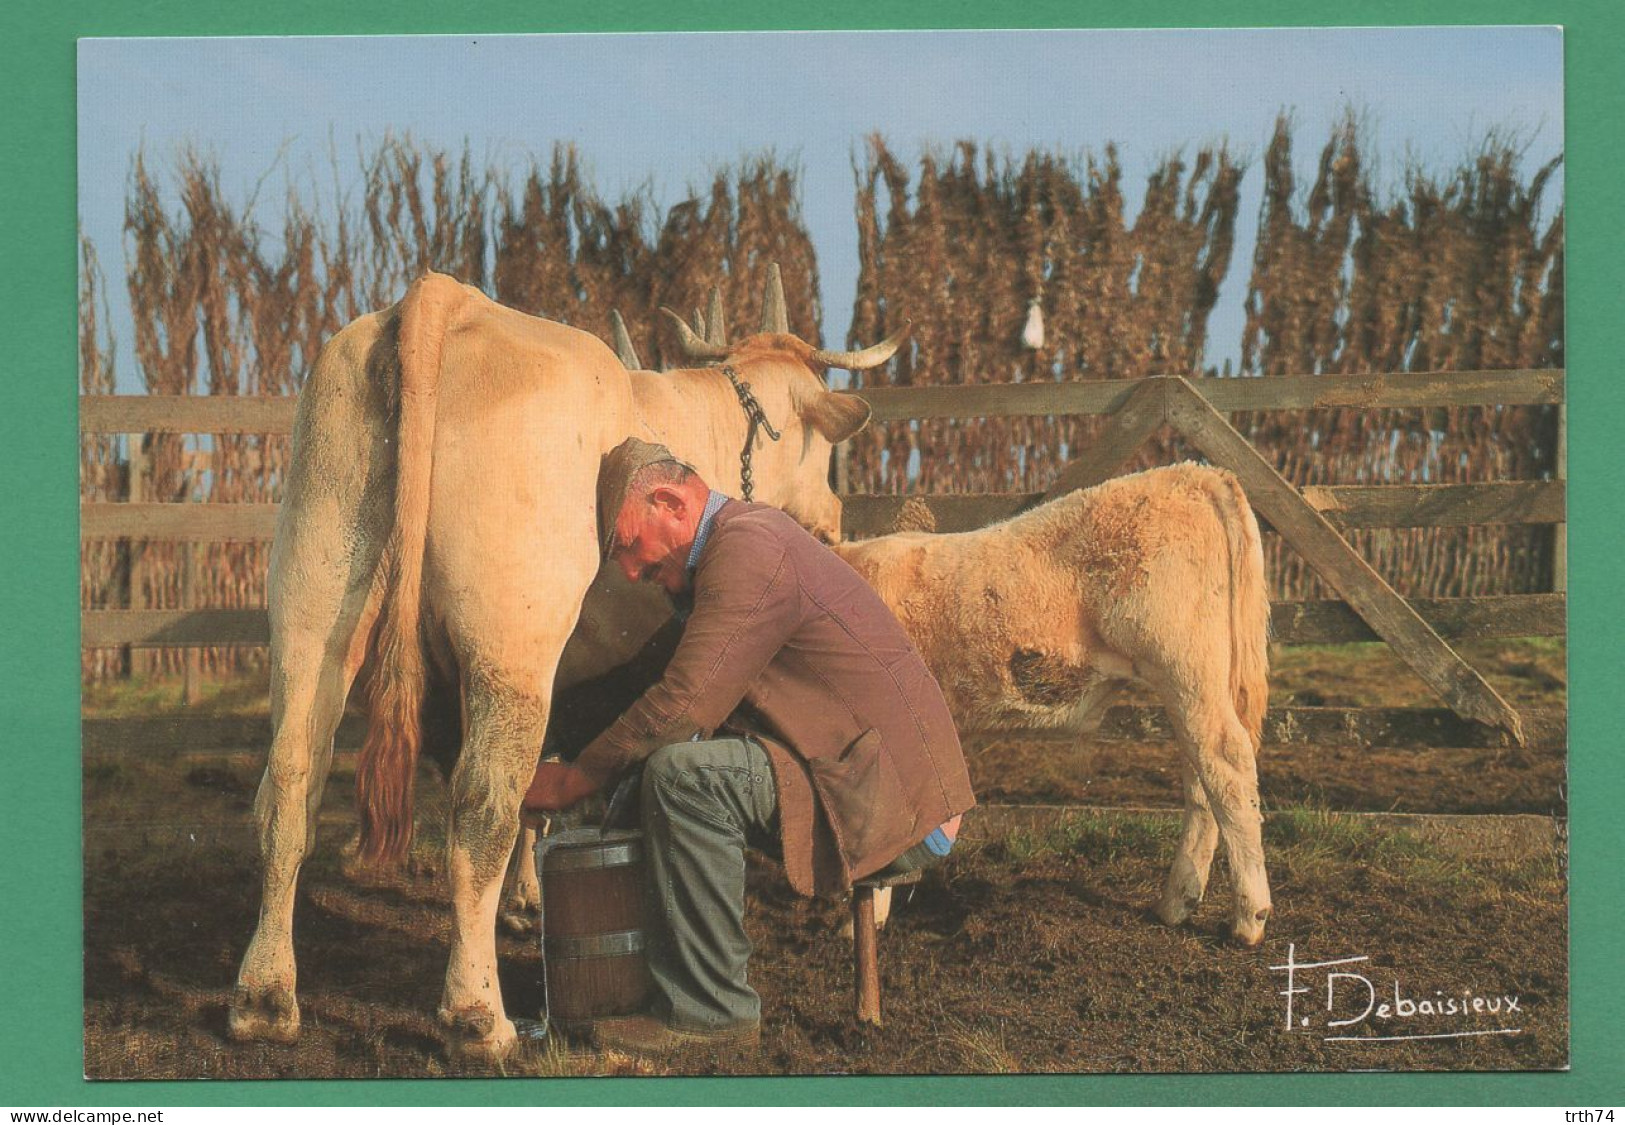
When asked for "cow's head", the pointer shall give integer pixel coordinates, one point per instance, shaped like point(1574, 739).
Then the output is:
point(786, 375)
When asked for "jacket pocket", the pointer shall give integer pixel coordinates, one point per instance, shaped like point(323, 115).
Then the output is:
point(863, 798)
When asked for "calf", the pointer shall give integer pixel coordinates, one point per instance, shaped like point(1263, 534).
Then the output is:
point(1036, 621)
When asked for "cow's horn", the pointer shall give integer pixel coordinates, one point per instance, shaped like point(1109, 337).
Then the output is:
point(623, 342)
point(872, 356)
point(695, 347)
point(716, 331)
point(774, 316)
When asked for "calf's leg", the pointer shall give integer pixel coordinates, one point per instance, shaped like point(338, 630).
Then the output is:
point(1193, 859)
point(1221, 766)
point(1218, 748)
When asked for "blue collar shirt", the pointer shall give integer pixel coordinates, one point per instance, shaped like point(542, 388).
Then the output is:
point(684, 602)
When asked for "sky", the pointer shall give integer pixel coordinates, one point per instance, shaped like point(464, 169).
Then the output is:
point(668, 110)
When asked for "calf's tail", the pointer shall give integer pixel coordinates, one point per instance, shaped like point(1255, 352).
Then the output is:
point(1249, 606)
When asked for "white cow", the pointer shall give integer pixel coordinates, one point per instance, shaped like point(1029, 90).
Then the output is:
point(440, 524)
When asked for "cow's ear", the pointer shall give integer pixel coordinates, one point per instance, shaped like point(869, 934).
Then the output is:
point(836, 414)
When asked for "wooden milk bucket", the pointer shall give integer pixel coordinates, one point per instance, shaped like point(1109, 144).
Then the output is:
point(592, 924)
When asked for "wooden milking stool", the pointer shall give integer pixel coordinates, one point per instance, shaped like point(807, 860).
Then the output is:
point(865, 952)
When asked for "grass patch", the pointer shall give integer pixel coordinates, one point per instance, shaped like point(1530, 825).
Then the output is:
point(1310, 844)
point(1301, 845)
point(1306, 843)
point(1313, 830)
point(556, 1057)
point(1527, 671)
point(248, 693)
point(983, 1050)
point(1096, 837)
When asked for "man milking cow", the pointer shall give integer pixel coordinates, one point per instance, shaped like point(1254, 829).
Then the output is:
point(794, 716)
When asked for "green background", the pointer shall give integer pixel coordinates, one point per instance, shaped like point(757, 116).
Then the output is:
point(40, 912)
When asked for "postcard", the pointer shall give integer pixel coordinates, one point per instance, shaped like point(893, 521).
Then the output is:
point(934, 553)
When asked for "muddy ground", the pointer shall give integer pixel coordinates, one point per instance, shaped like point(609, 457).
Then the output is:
point(1030, 951)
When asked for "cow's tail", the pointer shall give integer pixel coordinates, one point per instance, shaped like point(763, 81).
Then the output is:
point(386, 769)
point(1249, 606)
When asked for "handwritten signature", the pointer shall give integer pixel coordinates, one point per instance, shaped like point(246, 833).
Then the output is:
point(1358, 1009)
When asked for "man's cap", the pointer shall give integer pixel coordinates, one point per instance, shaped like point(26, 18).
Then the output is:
point(615, 475)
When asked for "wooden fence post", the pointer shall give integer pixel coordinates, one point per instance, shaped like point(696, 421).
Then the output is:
point(142, 661)
point(192, 686)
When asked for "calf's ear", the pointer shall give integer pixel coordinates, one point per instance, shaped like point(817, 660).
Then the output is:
point(836, 414)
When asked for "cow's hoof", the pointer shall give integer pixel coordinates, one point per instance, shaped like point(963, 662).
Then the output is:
point(352, 866)
point(519, 923)
point(523, 898)
point(1176, 910)
point(264, 1015)
point(474, 1035)
point(1249, 931)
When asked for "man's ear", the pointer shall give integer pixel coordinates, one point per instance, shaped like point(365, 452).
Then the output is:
point(668, 499)
point(836, 414)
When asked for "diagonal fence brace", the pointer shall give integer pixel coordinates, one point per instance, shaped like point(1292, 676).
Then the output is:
point(1140, 415)
point(1320, 544)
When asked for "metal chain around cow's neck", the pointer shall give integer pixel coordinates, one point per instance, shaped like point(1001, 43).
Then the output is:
point(753, 412)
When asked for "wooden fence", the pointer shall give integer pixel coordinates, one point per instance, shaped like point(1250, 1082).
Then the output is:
point(1420, 631)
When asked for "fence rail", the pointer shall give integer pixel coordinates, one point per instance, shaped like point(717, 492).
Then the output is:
point(203, 414)
point(1345, 505)
point(186, 414)
point(1313, 518)
point(1401, 505)
point(1227, 395)
point(210, 523)
point(1291, 623)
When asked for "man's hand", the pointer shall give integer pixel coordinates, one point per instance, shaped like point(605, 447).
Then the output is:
point(558, 786)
